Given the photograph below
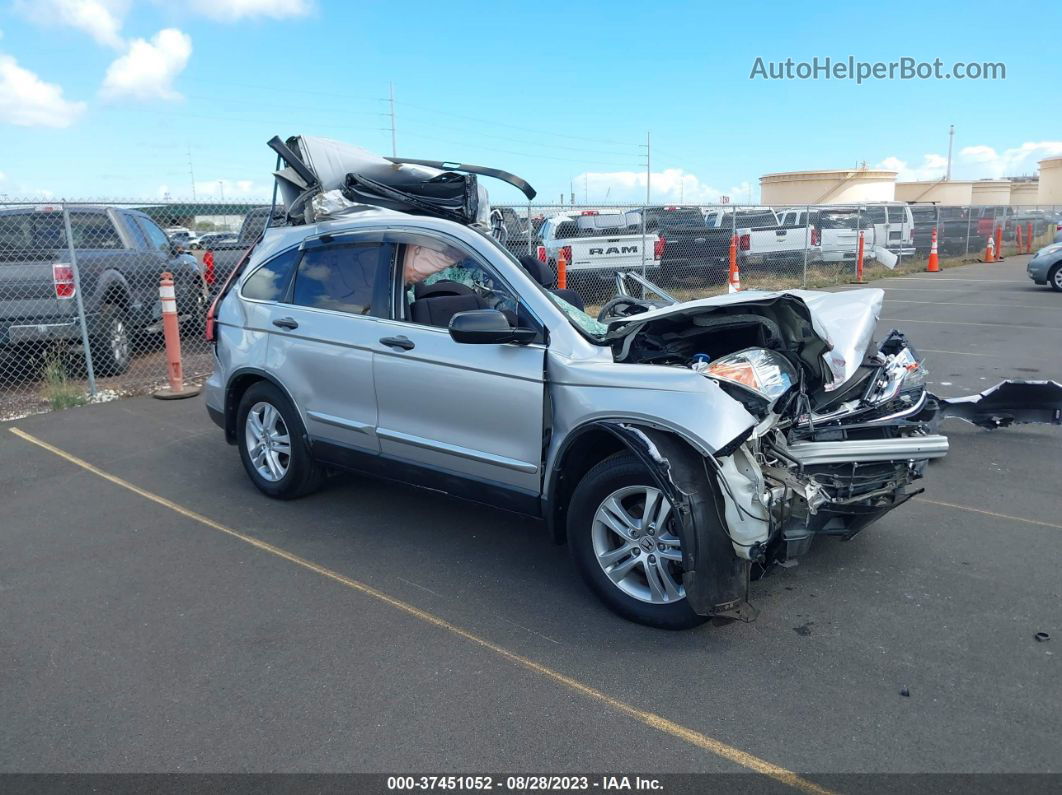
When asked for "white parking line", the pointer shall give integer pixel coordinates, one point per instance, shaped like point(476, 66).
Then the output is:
point(961, 323)
point(990, 306)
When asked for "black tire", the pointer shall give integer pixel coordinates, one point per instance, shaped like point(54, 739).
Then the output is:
point(607, 477)
point(111, 344)
point(1054, 278)
point(302, 474)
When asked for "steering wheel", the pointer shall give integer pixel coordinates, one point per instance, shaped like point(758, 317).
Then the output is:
point(624, 306)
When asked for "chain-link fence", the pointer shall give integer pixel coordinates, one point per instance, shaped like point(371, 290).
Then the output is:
point(80, 317)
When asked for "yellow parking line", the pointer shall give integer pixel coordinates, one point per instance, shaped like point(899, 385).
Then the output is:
point(989, 513)
point(651, 719)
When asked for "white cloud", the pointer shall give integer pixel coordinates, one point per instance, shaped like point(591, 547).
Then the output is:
point(236, 189)
point(932, 166)
point(232, 10)
point(1011, 162)
point(101, 19)
point(28, 101)
point(672, 185)
point(148, 68)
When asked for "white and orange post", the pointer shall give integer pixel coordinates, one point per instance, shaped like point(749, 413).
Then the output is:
point(562, 271)
point(860, 256)
point(734, 278)
point(1028, 237)
point(172, 333)
point(999, 243)
point(1018, 240)
point(933, 266)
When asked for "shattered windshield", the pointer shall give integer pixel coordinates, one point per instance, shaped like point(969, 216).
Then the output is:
point(581, 320)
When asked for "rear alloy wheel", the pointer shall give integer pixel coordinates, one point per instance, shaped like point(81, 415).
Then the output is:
point(273, 445)
point(110, 345)
point(1054, 278)
point(624, 539)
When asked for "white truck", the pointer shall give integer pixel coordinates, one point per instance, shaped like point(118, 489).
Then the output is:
point(599, 243)
point(835, 229)
point(761, 238)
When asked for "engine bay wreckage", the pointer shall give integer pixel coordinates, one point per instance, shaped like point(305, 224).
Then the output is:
point(816, 428)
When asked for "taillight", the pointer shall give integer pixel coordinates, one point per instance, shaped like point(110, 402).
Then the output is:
point(658, 247)
point(208, 267)
point(745, 242)
point(816, 236)
point(63, 276)
point(566, 252)
point(209, 326)
point(540, 252)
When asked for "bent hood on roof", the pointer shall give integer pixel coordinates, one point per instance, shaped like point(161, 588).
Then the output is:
point(314, 166)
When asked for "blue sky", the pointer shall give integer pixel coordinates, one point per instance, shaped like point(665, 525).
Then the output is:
point(114, 98)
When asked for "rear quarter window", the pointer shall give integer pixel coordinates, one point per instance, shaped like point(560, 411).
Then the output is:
point(270, 281)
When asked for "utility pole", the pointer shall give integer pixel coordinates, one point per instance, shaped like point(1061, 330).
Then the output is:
point(648, 164)
point(221, 189)
point(394, 145)
point(191, 173)
point(951, 139)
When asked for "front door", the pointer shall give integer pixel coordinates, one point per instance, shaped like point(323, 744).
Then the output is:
point(472, 413)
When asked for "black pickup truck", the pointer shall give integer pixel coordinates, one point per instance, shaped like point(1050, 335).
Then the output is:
point(222, 257)
point(954, 226)
point(690, 247)
point(120, 257)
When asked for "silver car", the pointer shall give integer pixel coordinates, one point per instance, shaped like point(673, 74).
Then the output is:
point(678, 448)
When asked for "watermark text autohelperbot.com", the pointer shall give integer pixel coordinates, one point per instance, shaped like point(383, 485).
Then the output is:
point(905, 68)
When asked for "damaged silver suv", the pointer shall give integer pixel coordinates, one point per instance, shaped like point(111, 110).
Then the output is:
point(678, 447)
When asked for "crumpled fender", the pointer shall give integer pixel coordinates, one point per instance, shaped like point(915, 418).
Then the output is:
point(715, 579)
point(1007, 403)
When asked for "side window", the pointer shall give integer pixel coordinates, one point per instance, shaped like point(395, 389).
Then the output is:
point(139, 238)
point(897, 215)
point(157, 239)
point(270, 281)
point(94, 230)
point(875, 214)
point(438, 280)
point(343, 277)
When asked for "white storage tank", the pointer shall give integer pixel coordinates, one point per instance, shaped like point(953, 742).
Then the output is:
point(1050, 191)
point(833, 186)
point(991, 192)
point(954, 192)
point(1024, 194)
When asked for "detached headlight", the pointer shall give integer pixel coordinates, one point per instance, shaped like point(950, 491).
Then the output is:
point(903, 374)
point(762, 372)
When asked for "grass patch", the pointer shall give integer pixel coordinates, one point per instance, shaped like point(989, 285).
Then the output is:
point(59, 391)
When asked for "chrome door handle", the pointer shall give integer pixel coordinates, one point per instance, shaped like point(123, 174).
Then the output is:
point(286, 322)
point(401, 343)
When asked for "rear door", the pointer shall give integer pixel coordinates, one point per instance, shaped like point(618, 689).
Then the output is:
point(322, 335)
point(472, 414)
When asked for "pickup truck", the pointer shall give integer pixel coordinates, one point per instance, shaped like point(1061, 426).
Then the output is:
point(222, 256)
point(120, 256)
point(761, 238)
point(836, 228)
point(953, 225)
point(690, 248)
point(598, 244)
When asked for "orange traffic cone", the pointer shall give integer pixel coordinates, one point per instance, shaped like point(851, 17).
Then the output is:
point(934, 261)
point(990, 251)
point(734, 285)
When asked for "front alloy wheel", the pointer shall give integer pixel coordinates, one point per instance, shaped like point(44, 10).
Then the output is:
point(624, 536)
point(636, 547)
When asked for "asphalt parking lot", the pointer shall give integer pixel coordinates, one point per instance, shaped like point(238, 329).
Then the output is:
point(135, 636)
